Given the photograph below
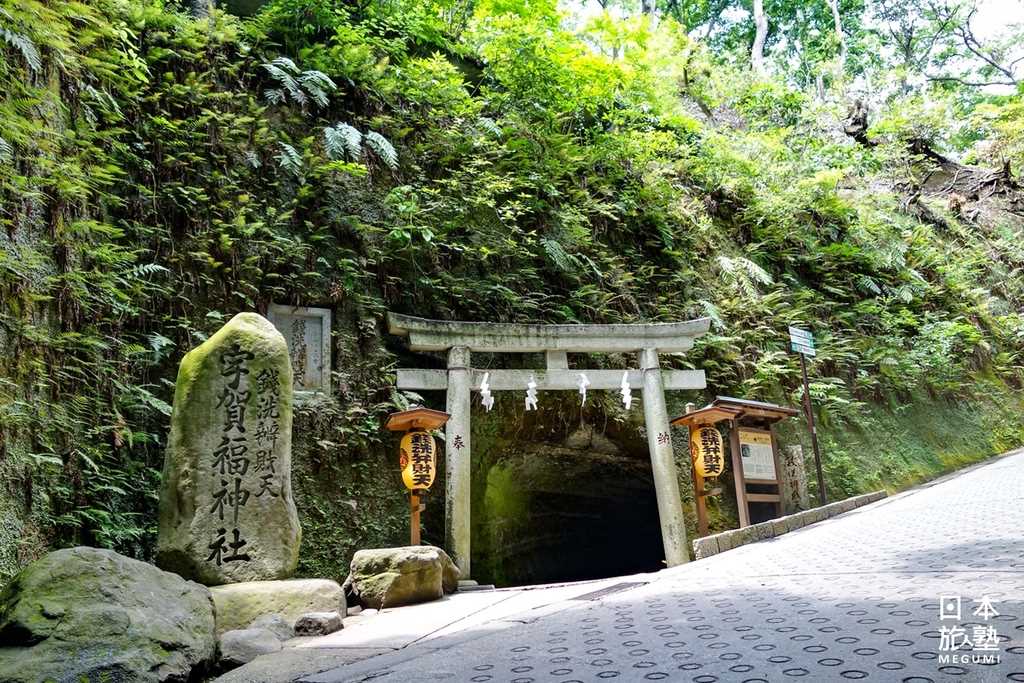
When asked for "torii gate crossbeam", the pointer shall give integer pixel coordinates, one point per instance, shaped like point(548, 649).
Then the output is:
point(461, 339)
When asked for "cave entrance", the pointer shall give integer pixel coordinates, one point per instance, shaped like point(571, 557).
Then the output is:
point(462, 339)
point(537, 524)
point(598, 535)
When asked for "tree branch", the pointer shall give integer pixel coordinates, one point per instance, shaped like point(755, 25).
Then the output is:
point(972, 84)
point(926, 55)
point(971, 43)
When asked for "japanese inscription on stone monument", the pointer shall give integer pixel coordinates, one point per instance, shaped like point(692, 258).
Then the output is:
point(231, 459)
point(226, 509)
point(307, 332)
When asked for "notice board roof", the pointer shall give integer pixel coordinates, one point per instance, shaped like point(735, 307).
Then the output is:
point(416, 418)
point(729, 408)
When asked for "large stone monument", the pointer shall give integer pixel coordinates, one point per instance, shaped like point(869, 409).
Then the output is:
point(226, 508)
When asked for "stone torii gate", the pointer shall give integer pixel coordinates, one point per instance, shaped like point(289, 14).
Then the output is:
point(461, 339)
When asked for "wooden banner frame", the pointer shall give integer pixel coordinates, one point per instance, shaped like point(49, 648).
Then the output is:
point(740, 414)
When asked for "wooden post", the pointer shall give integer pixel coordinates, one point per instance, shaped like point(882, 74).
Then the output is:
point(414, 518)
point(809, 412)
point(737, 473)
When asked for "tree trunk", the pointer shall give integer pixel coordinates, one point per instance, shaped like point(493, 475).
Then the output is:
point(834, 6)
point(649, 9)
point(856, 124)
point(761, 25)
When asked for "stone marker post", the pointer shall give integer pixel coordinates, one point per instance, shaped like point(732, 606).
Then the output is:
point(794, 480)
point(226, 508)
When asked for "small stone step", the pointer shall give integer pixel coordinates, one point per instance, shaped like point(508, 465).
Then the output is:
point(474, 586)
point(465, 583)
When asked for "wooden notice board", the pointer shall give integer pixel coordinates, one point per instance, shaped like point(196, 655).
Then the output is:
point(753, 453)
point(758, 455)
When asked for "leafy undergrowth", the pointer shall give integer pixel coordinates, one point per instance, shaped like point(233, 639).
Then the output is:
point(894, 447)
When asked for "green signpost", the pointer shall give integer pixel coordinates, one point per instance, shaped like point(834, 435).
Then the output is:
point(801, 342)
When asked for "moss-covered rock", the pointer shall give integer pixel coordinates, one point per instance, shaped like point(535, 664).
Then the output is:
point(226, 507)
point(239, 604)
point(85, 614)
point(389, 577)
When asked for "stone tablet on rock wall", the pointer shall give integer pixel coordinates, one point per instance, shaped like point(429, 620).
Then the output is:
point(226, 507)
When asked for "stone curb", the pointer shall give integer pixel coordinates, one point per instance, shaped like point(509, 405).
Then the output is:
point(727, 540)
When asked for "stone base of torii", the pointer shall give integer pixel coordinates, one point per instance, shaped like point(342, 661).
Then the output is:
point(461, 339)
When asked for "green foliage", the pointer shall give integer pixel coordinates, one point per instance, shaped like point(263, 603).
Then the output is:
point(895, 446)
point(382, 148)
point(342, 140)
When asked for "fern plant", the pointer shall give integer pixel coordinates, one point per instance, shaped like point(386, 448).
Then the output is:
point(743, 273)
point(23, 44)
point(289, 159)
point(300, 86)
point(489, 125)
point(383, 149)
point(559, 256)
point(342, 141)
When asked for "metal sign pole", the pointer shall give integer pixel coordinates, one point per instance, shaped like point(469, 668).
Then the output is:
point(809, 411)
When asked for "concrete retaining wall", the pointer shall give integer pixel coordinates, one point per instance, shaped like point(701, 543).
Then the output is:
point(719, 543)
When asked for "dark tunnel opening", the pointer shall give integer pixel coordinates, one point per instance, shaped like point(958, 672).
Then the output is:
point(567, 516)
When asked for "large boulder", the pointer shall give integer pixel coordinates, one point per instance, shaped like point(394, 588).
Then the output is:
point(449, 573)
point(389, 577)
point(226, 507)
point(84, 614)
point(239, 604)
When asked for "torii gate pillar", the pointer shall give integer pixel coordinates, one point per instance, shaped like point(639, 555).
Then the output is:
point(663, 462)
point(457, 528)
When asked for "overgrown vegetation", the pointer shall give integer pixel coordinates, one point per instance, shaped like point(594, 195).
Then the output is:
point(499, 161)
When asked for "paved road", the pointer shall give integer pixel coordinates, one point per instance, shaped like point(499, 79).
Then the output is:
point(852, 598)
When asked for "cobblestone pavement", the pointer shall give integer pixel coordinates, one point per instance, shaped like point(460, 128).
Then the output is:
point(852, 598)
